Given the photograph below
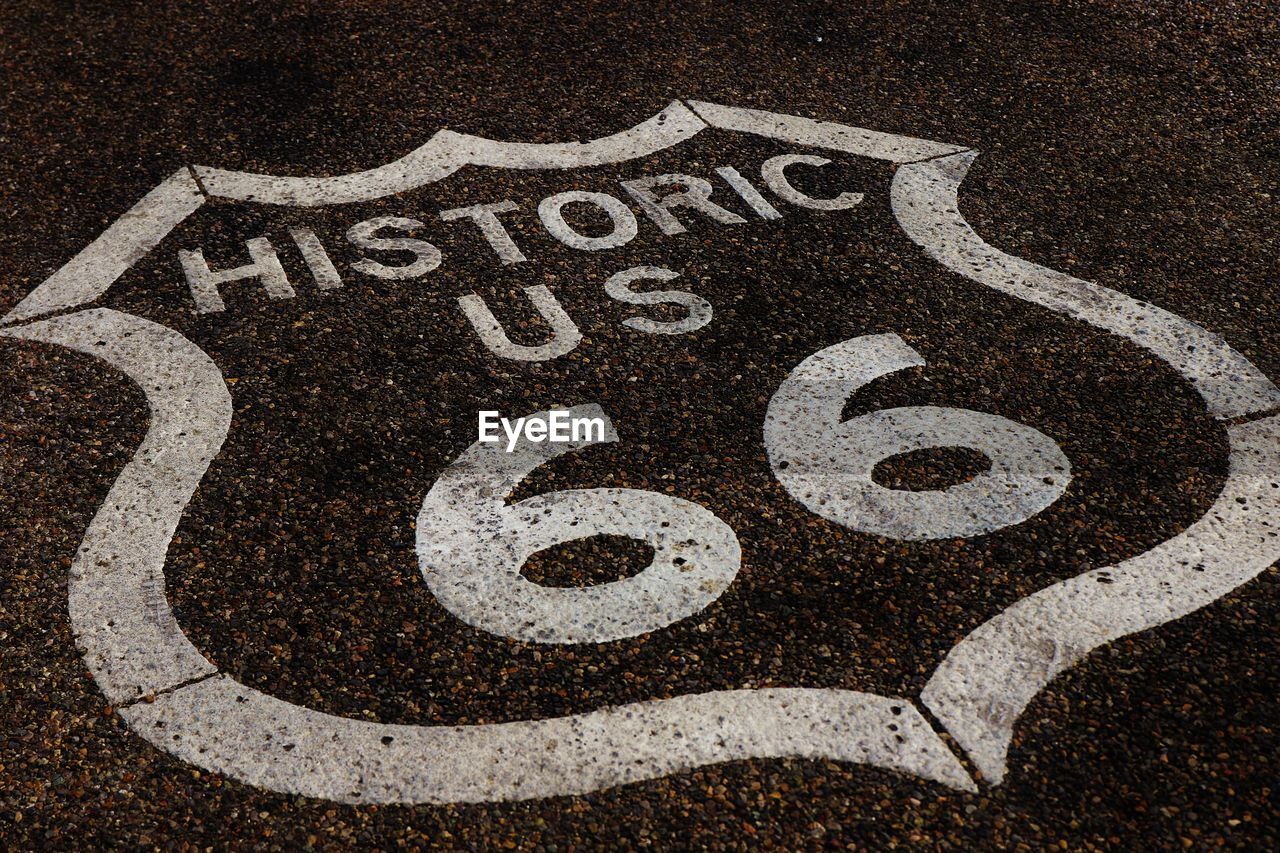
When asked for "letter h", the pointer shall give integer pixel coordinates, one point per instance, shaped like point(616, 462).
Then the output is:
point(204, 281)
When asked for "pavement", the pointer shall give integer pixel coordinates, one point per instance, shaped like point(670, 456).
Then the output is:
point(313, 610)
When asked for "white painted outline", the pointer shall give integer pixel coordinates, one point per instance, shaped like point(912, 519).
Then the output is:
point(987, 680)
point(133, 646)
point(136, 651)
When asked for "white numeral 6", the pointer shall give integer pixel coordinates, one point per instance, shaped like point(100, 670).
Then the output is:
point(471, 546)
point(826, 464)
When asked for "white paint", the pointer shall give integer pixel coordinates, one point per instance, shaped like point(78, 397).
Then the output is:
point(987, 680)
point(121, 618)
point(990, 677)
point(826, 464)
point(437, 158)
point(822, 134)
point(472, 545)
point(134, 648)
point(618, 286)
point(88, 275)
point(94, 270)
point(364, 235)
point(695, 194)
point(624, 230)
point(444, 154)
point(485, 216)
point(204, 281)
point(318, 260)
point(671, 126)
point(978, 692)
point(924, 202)
point(748, 193)
point(228, 728)
point(564, 332)
point(774, 173)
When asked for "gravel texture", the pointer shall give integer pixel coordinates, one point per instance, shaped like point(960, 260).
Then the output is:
point(1135, 145)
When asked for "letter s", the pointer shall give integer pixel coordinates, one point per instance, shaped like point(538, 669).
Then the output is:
point(618, 287)
point(362, 234)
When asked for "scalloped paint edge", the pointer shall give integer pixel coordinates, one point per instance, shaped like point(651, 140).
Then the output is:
point(174, 697)
point(988, 679)
point(92, 272)
point(1028, 644)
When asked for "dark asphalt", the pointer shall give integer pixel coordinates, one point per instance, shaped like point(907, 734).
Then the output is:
point(1138, 147)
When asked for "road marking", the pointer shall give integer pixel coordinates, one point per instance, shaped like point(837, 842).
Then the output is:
point(204, 281)
point(89, 274)
point(774, 173)
point(228, 728)
point(694, 194)
point(925, 204)
point(826, 463)
point(365, 235)
point(444, 154)
point(748, 193)
point(121, 618)
point(858, 141)
point(126, 241)
point(987, 680)
point(134, 647)
point(673, 125)
point(318, 260)
point(485, 216)
point(618, 286)
point(624, 222)
point(564, 332)
point(472, 545)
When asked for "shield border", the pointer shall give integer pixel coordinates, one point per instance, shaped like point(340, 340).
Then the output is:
point(174, 697)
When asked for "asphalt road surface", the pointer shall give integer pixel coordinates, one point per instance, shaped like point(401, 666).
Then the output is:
point(917, 472)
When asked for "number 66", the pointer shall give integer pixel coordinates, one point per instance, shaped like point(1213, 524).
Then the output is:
point(471, 544)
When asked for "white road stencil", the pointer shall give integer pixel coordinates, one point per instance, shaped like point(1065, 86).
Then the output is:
point(472, 539)
point(471, 545)
point(827, 464)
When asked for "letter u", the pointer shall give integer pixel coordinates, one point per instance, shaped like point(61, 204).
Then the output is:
point(564, 333)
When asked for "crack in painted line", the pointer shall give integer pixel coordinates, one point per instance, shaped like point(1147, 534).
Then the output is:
point(199, 183)
point(1241, 420)
point(152, 697)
